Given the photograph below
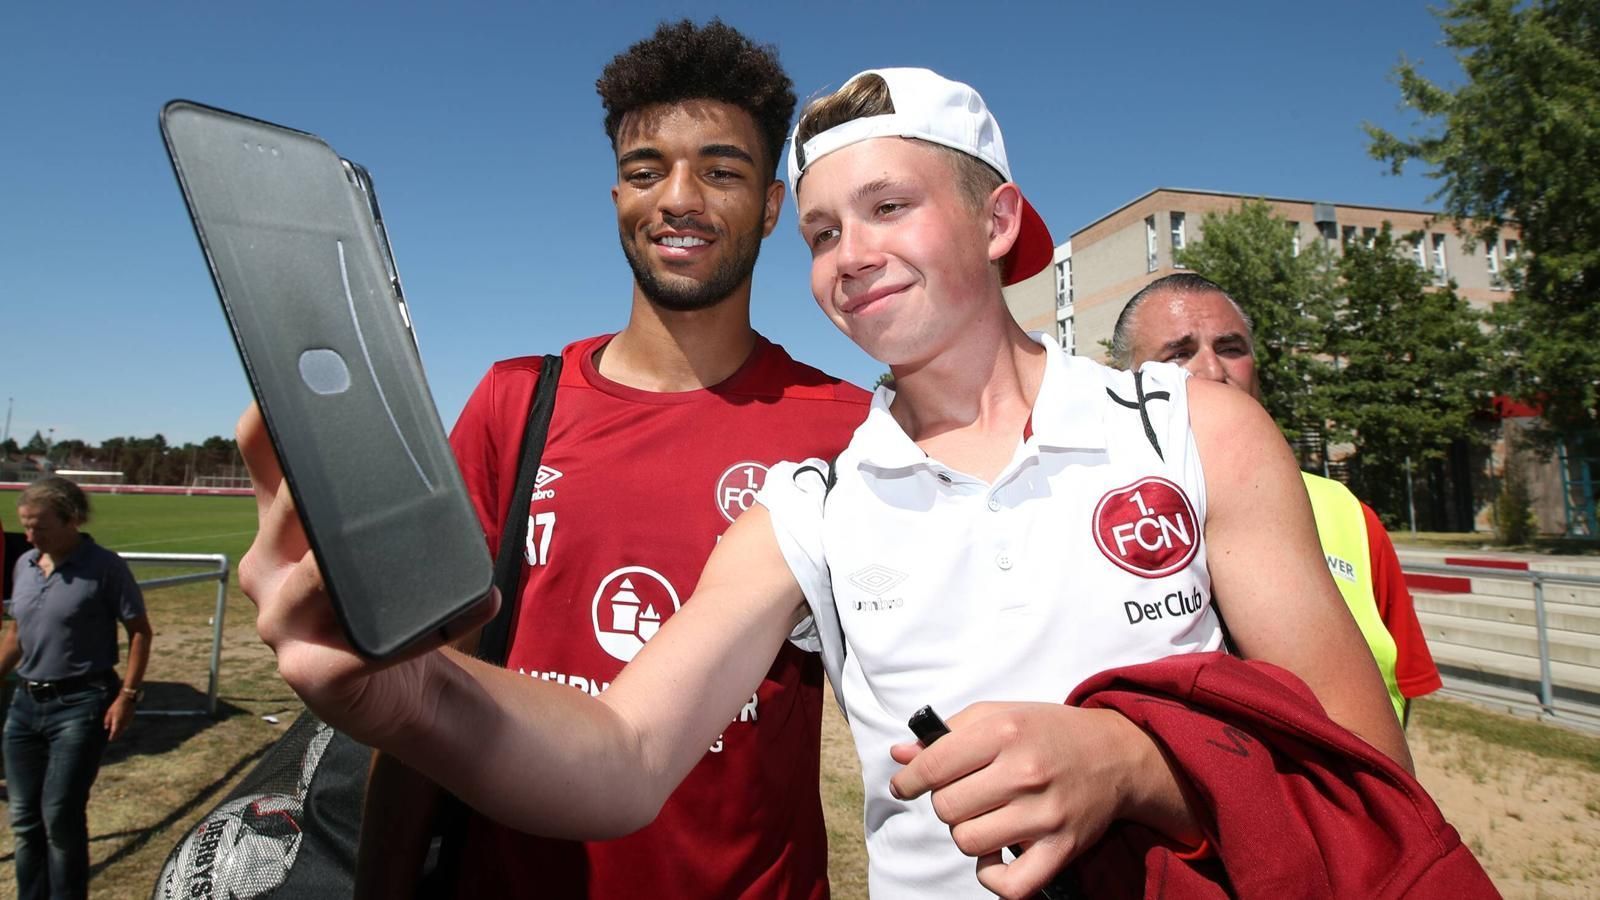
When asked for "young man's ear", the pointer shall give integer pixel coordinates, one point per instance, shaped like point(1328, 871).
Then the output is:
point(773, 206)
point(1005, 220)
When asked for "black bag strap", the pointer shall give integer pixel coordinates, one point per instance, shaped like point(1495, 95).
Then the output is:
point(495, 641)
point(450, 822)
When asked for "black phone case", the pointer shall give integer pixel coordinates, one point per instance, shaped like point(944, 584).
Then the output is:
point(302, 268)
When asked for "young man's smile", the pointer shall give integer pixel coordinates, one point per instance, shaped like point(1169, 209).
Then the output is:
point(693, 202)
point(893, 246)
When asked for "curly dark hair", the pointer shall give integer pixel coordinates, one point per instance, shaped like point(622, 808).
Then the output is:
point(682, 61)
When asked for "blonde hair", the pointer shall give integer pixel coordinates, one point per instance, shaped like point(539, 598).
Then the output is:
point(63, 497)
point(869, 96)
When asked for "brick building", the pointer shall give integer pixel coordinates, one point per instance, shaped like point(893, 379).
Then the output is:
point(1104, 263)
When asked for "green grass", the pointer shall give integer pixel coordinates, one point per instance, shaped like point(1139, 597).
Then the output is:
point(1548, 741)
point(152, 523)
point(163, 524)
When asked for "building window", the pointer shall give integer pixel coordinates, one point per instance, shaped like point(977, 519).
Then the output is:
point(1178, 241)
point(1066, 336)
point(1349, 236)
point(1294, 237)
point(1440, 271)
point(1491, 261)
point(1064, 284)
point(1419, 253)
point(1511, 252)
point(1369, 236)
point(1329, 232)
point(1150, 243)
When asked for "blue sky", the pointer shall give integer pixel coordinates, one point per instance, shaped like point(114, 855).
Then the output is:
point(480, 125)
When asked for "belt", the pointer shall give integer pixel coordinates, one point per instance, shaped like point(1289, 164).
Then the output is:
point(43, 690)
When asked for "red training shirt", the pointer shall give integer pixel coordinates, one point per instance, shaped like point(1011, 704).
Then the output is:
point(1414, 671)
point(634, 490)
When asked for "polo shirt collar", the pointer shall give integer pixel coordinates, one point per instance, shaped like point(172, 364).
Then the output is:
point(883, 444)
point(1069, 413)
point(85, 546)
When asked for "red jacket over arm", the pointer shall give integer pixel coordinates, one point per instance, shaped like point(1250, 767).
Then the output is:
point(1292, 804)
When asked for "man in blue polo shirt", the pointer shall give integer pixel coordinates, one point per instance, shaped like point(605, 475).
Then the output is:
point(69, 594)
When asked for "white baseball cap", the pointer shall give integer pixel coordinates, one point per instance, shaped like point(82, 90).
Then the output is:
point(930, 107)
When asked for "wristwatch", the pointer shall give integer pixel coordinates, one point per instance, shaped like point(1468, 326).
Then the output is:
point(134, 694)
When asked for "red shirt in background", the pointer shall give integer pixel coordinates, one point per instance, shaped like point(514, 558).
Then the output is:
point(1414, 671)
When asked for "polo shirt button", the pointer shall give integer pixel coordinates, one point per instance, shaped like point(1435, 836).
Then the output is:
point(994, 505)
point(944, 478)
point(1003, 561)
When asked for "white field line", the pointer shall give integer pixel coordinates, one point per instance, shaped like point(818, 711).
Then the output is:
point(180, 540)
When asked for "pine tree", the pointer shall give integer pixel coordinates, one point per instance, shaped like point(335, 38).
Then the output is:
point(1410, 364)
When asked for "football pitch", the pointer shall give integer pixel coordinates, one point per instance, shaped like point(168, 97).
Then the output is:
point(159, 523)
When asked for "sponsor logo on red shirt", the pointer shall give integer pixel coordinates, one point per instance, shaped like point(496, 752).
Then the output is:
point(1147, 528)
point(629, 608)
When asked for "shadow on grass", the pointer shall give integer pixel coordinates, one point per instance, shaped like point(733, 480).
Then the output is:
point(171, 714)
point(138, 837)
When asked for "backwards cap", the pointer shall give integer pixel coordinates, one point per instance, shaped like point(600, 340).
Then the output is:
point(930, 107)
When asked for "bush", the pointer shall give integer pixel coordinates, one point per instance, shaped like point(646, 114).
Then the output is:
point(1513, 508)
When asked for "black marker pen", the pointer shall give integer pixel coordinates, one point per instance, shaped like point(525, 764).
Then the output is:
point(929, 727)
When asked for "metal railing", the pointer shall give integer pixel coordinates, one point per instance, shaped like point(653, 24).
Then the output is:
point(1541, 627)
point(218, 574)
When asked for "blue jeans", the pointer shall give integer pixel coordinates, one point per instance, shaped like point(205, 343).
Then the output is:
point(52, 753)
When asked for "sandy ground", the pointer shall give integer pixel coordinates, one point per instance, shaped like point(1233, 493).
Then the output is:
point(1534, 823)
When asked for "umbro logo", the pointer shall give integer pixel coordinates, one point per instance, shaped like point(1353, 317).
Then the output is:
point(545, 476)
point(877, 580)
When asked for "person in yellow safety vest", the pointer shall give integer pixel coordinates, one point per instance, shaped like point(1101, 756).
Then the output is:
point(1191, 321)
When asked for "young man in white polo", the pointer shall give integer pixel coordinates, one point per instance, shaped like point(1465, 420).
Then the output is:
point(1190, 321)
point(1007, 522)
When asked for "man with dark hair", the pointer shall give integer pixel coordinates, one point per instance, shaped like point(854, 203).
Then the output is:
point(661, 436)
point(1191, 321)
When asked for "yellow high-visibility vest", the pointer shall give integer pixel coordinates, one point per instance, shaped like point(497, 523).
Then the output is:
point(1342, 529)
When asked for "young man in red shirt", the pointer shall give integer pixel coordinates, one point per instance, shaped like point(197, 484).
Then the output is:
point(661, 437)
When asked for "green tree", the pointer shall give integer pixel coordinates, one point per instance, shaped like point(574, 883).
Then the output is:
point(1519, 142)
point(1410, 366)
point(1251, 253)
point(36, 445)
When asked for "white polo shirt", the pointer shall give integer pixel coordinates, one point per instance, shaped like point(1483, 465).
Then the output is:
point(929, 586)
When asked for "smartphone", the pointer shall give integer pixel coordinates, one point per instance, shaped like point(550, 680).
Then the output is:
point(361, 181)
point(297, 251)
